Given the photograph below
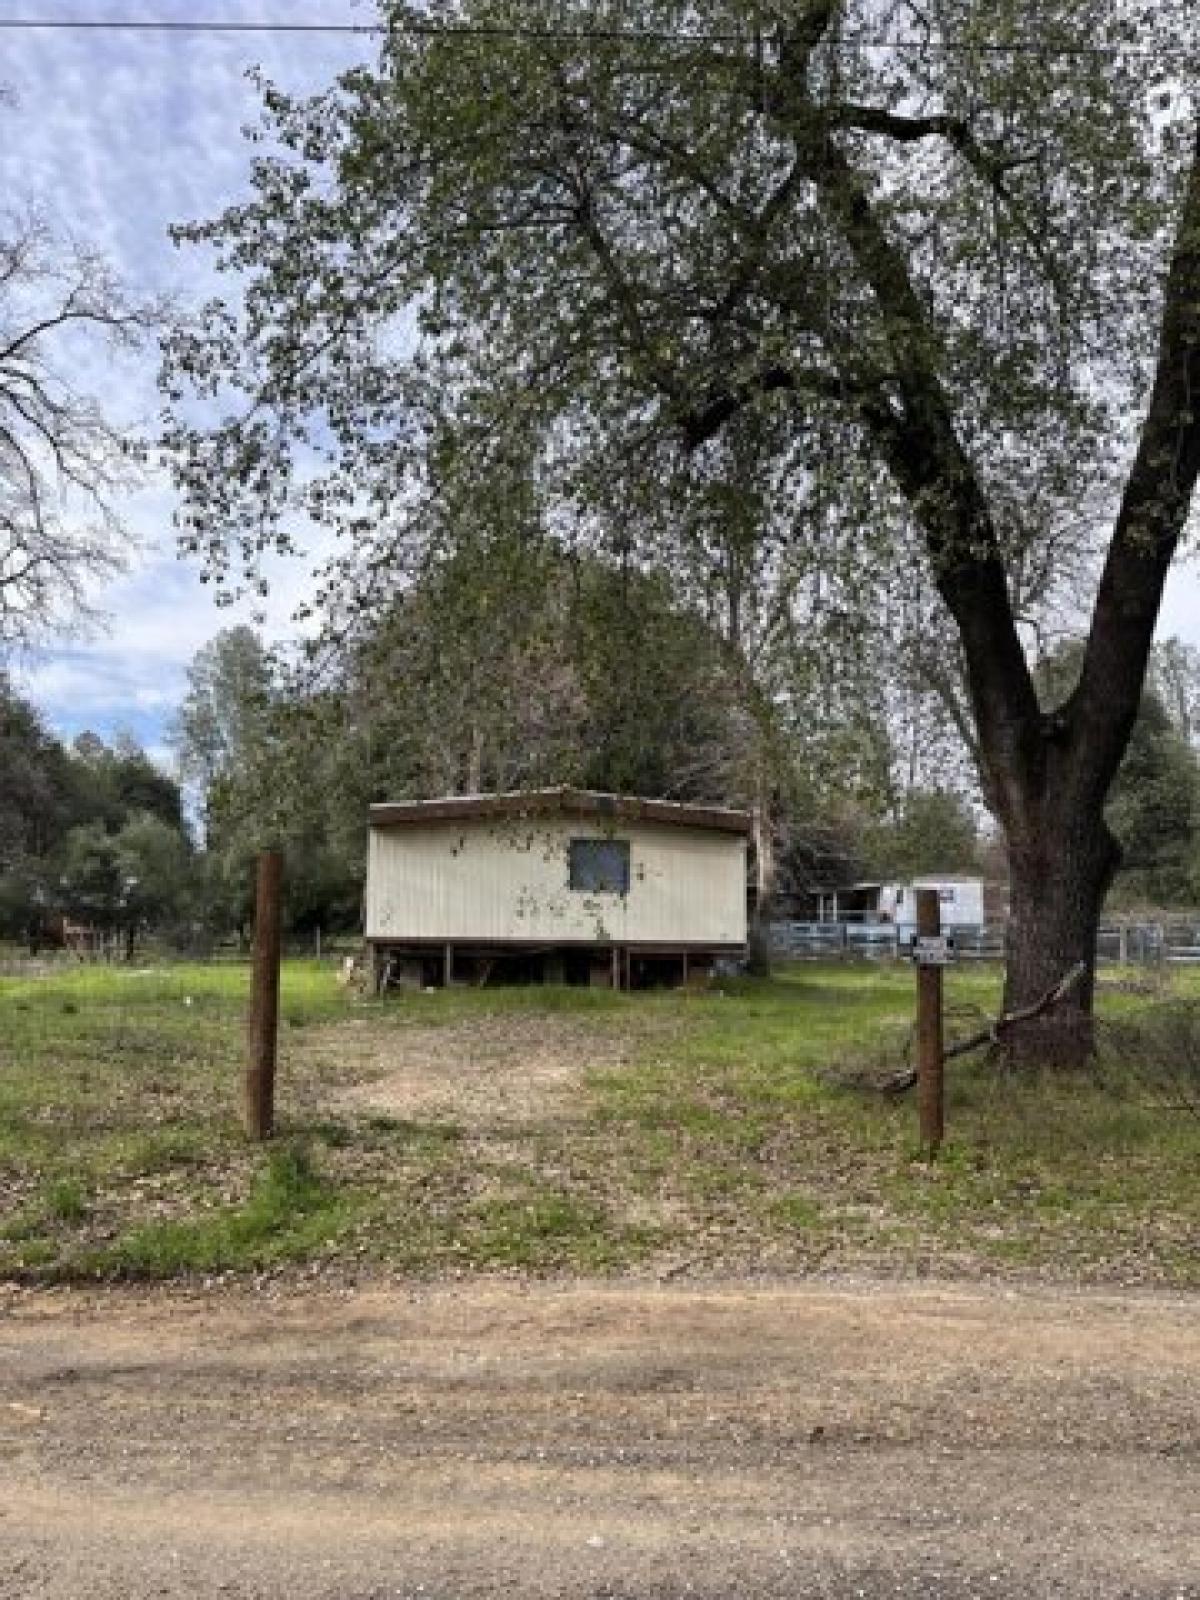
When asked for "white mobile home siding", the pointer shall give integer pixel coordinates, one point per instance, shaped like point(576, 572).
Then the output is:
point(505, 880)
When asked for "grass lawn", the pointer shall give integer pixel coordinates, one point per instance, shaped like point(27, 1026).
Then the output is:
point(560, 1130)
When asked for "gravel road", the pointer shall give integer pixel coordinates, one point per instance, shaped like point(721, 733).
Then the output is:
point(632, 1441)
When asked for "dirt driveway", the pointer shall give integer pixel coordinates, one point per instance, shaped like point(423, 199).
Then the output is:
point(633, 1441)
point(504, 1070)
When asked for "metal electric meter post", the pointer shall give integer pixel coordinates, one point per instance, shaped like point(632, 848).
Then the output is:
point(932, 951)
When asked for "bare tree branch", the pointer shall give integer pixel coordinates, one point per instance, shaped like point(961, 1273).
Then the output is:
point(996, 1032)
point(61, 462)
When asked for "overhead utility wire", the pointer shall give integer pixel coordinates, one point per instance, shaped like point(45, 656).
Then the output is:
point(168, 25)
point(632, 36)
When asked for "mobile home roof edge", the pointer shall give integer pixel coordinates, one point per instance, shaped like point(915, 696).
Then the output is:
point(559, 802)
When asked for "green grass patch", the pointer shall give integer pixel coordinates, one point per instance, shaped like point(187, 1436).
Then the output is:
point(291, 1212)
point(65, 1200)
point(722, 1129)
point(796, 1209)
point(536, 1228)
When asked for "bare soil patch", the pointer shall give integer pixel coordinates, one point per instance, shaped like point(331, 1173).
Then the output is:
point(633, 1441)
point(494, 1070)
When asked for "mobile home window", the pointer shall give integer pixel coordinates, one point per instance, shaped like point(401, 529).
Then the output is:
point(600, 866)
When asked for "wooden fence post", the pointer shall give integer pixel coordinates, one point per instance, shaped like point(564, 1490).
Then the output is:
point(930, 1076)
point(263, 1027)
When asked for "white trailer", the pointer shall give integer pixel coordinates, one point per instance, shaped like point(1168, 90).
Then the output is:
point(573, 884)
point(961, 898)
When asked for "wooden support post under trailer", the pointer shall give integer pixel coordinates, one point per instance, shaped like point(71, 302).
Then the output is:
point(555, 885)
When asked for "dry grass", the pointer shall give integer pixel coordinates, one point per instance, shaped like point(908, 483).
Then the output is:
point(493, 1071)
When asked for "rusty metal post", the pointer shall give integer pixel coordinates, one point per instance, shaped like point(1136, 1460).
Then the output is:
point(931, 1093)
point(263, 1027)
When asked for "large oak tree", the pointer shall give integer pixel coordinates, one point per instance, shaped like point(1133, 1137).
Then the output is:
point(939, 262)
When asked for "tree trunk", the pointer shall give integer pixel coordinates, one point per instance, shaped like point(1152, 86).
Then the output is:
point(1060, 872)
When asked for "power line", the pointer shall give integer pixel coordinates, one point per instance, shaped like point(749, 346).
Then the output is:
point(464, 30)
point(198, 25)
point(632, 36)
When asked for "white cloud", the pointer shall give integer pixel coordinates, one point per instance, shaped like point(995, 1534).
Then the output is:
point(163, 757)
point(118, 136)
point(1181, 603)
point(134, 669)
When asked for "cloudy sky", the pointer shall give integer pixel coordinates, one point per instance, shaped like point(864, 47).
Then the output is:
point(119, 135)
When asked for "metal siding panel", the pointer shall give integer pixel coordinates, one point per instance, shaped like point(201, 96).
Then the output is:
point(509, 881)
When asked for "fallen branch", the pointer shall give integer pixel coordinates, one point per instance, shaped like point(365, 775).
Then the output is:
point(995, 1031)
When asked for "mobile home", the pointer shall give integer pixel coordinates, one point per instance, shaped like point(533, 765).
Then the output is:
point(563, 884)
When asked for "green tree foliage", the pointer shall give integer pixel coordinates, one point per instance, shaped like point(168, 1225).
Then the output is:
point(505, 665)
point(120, 780)
point(226, 741)
point(1154, 805)
point(270, 769)
point(907, 282)
point(158, 875)
point(508, 663)
point(1154, 810)
point(225, 714)
point(35, 786)
point(1175, 675)
point(511, 665)
point(91, 876)
point(119, 883)
point(92, 832)
point(934, 833)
